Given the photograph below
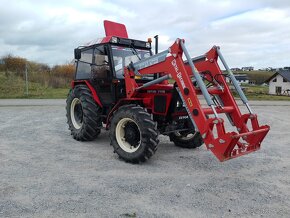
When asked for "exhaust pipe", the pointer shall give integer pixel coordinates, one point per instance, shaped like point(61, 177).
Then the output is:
point(156, 44)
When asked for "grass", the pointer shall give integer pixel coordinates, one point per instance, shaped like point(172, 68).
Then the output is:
point(256, 92)
point(261, 93)
point(263, 97)
point(14, 87)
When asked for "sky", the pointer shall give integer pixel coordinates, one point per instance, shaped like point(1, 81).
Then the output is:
point(249, 32)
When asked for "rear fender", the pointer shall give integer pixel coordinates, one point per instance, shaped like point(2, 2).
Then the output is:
point(87, 83)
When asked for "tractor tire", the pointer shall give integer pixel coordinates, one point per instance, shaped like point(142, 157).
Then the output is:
point(187, 140)
point(83, 114)
point(133, 134)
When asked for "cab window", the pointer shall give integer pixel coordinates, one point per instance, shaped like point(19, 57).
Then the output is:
point(100, 65)
point(123, 56)
point(84, 65)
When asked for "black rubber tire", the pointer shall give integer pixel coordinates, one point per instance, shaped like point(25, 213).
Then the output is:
point(148, 133)
point(91, 120)
point(181, 141)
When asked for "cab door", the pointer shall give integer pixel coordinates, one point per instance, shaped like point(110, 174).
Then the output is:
point(101, 74)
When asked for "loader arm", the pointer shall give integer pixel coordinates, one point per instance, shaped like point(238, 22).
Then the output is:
point(207, 120)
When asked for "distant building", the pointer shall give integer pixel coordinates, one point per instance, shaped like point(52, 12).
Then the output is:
point(279, 83)
point(278, 69)
point(247, 68)
point(252, 81)
point(235, 69)
point(241, 78)
point(269, 69)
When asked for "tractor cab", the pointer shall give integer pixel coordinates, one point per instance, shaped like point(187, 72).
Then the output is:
point(102, 63)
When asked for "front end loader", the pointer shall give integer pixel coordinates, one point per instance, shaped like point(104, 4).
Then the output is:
point(122, 87)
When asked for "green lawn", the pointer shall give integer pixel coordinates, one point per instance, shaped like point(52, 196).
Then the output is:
point(261, 93)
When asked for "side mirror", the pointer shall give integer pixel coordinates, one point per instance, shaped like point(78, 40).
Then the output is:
point(78, 53)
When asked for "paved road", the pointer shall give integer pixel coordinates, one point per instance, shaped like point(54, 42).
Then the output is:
point(45, 173)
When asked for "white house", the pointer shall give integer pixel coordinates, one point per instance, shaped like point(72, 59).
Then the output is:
point(279, 83)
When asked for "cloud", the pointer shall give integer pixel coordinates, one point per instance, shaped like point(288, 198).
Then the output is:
point(249, 32)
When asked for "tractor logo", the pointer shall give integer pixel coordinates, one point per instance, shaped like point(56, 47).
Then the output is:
point(179, 75)
point(189, 102)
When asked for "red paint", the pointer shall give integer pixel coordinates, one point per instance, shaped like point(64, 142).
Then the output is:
point(225, 145)
point(115, 29)
point(95, 96)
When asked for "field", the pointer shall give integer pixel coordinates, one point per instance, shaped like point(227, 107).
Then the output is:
point(43, 81)
point(45, 173)
point(13, 86)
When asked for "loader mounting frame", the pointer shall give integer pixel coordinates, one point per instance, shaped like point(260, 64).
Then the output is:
point(189, 77)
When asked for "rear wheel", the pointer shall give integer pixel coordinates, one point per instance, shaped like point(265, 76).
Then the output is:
point(133, 134)
point(83, 114)
point(186, 139)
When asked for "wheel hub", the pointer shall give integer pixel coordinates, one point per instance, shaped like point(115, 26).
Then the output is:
point(76, 113)
point(128, 135)
point(132, 134)
point(79, 113)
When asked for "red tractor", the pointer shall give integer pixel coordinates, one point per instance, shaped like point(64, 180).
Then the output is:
point(121, 86)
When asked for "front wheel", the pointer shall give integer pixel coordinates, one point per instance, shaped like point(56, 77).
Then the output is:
point(133, 134)
point(83, 114)
point(186, 139)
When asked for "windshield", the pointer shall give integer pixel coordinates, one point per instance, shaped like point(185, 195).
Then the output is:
point(123, 56)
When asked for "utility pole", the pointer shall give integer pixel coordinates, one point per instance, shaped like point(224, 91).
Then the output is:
point(26, 79)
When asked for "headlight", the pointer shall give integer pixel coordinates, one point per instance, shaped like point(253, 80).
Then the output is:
point(114, 39)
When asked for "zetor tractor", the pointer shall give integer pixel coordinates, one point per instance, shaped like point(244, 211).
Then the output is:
point(122, 87)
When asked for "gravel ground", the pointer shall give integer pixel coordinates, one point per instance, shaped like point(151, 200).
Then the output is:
point(45, 173)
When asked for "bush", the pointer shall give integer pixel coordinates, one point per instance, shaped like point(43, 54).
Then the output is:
point(62, 75)
point(14, 64)
point(58, 76)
